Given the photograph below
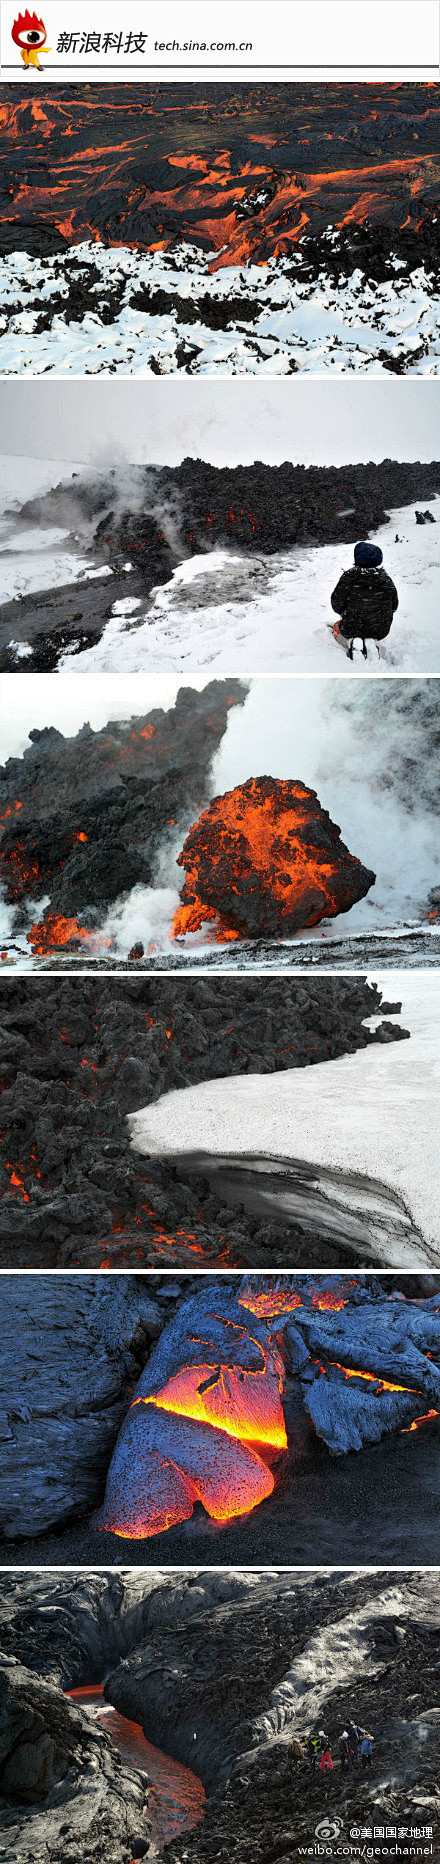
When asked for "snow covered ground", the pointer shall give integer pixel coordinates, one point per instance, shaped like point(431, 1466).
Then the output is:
point(366, 1126)
point(288, 323)
point(263, 614)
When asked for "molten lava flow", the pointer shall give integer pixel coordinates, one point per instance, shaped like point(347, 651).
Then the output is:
point(20, 873)
point(417, 1422)
point(244, 1404)
point(163, 1464)
point(87, 1689)
point(16, 1183)
point(264, 1304)
point(284, 1299)
point(373, 1378)
point(204, 1425)
point(266, 860)
point(54, 932)
point(11, 810)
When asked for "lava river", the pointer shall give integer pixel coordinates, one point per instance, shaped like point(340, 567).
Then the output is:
point(176, 1796)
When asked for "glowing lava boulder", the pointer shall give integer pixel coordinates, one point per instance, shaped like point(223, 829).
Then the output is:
point(265, 860)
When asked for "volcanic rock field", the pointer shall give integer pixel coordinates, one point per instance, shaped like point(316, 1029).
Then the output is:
point(221, 1670)
point(158, 228)
point(145, 523)
point(79, 1055)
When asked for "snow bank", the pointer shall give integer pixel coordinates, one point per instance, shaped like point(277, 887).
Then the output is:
point(356, 1140)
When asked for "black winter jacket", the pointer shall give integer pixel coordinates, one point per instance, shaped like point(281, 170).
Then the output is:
point(366, 601)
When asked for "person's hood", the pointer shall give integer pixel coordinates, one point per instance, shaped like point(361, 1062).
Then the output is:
point(367, 556)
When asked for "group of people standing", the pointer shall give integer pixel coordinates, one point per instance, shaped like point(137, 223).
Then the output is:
point(355, 1747)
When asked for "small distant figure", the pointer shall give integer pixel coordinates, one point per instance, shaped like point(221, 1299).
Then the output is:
point(313, 1750)
point(326, 1759)
point(425, 517)
point(296, 1751)
point(365, 599)
point(355, 1734)
point(344, 1750)
point(367, 1750)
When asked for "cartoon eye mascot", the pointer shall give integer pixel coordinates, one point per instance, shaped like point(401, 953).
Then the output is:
point(29, 34)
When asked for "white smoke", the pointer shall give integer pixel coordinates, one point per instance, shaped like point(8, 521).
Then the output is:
point(144, 916)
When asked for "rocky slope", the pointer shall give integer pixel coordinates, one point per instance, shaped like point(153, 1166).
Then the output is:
point(77, 1056)
point(83, 818)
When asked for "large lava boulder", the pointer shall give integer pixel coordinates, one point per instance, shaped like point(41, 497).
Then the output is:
point(266, 860)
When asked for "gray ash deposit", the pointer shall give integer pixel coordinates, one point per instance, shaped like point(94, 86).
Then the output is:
point(78, 1055)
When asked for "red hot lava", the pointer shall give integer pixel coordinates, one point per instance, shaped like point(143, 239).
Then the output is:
point(266, 860)
point(54, 932)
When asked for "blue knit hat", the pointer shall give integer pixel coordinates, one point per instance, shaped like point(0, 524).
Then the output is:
point(367, 556)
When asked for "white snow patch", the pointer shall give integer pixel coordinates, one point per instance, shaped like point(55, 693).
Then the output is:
point(313, 328)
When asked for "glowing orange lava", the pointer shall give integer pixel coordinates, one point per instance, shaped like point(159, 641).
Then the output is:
point(265, 859)
point(55, 932)
point(373, 1378)
point(417, 1422)
point(242, 1404)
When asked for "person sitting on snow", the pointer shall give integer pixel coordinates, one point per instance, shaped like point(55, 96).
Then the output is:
point(365, 599)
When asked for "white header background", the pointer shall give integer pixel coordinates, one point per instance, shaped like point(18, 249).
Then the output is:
point(365, 38)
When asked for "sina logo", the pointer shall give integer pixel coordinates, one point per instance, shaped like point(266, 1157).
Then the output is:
point(29, 33)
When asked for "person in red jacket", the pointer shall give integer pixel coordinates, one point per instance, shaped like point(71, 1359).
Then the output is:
point(365, 599)
point(325, 1755)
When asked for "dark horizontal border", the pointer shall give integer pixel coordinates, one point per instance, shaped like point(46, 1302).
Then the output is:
point(149, 70)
